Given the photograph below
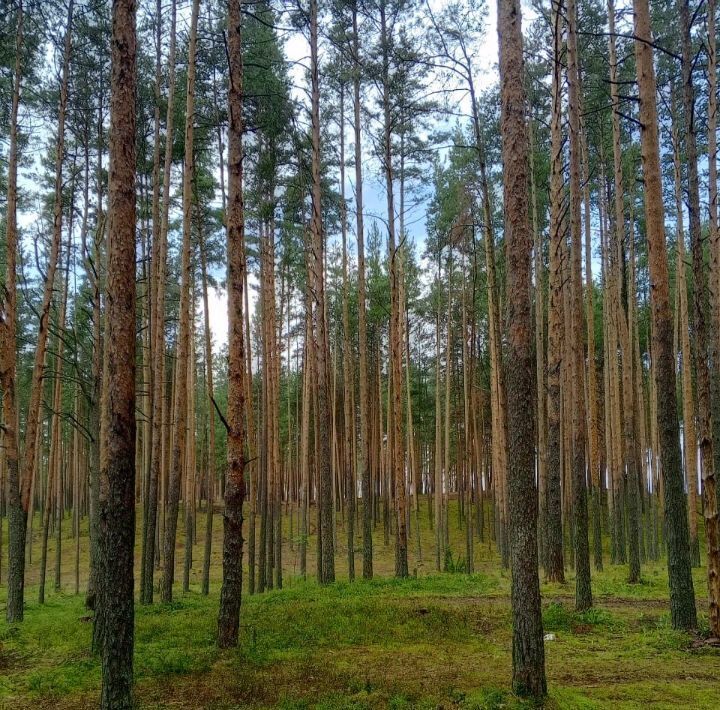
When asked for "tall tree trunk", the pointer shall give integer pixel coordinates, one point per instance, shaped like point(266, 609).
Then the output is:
point(528, 645)
point(497, 381)
point(714, 226)
point(183, 344)
point(117, 469)
point(160, 230)
point(593, 416)
point(438, 487)
point(54, 466)
point(701, 311)
point(397, 453)
point(540, 396)
point(320, 344)
point(682, 597)
point(16, 512)
point(689, 431)
point(211, 472)
point(554, 563)
point(363, 383)
point(348, 370)
point(32, 425)
point(229, 614)
point(583, 589)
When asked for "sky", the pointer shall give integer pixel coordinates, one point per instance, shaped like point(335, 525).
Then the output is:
point(375, 208)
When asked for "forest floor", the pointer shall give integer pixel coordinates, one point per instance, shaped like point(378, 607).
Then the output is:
point(431, 641)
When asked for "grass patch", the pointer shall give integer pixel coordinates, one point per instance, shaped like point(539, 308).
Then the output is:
point(430, 641)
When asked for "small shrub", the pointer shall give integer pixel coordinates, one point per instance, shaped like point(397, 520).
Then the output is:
point(455, 566)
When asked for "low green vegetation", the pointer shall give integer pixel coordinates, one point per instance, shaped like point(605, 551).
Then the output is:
point(435, 641)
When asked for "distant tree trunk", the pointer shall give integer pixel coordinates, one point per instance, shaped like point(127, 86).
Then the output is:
point(320, 344)
point(682, 596)
point(117, 469)
point(446, 459)
point(16, 512)
point(54, 472)
point(583, 589)
point(92, 260)
point(554, 563)
point(528, 645)
point(701, 311)
point(714, 226)
point(160, 230)
point(540, 391)
point(180, 417)
point(32, 425)
point(230, 594)
point(395, 402)
point(363, 383)
point(593, 417)
point(689, 431)
point(498, 416)
point(212, 473)
point(437, 488)
point(305, 441)
point(348, 369)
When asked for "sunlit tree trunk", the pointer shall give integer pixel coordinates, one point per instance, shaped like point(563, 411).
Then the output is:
point(682, 597)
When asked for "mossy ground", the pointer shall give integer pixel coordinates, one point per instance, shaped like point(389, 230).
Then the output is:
point(431, 641)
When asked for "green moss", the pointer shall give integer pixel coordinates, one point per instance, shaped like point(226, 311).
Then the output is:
point(425, 642)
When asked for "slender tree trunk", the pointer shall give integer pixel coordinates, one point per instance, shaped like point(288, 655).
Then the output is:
point(117, 468)
point(317, 279)
point(528, 646)
point(33, 424)
point(54, 471)
point(397, 453)
point(230, 594)
point(541, 398)
point(160, 231)
point(554, 563)
point(583, 589)
point(682, 597)
point(497, 383)
point(714, 277)
point(212, 473)
point(437, 492)
point(363, 384)
point(593, 417)
point(701, 311)
point(183, 345)
point(16, 512)
point(348, 371)
point(689, 431)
